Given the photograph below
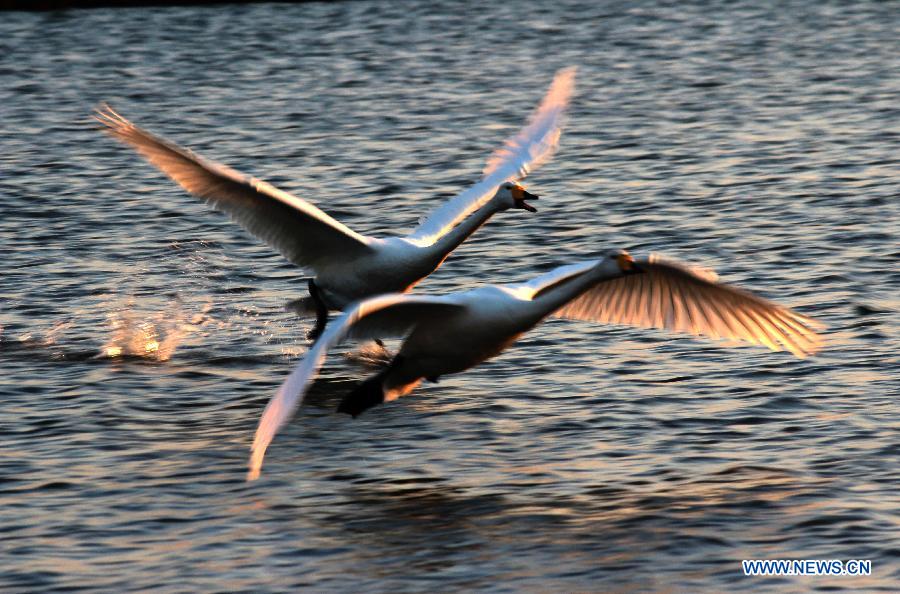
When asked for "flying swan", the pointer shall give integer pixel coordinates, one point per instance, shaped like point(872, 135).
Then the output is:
point(449, 334)
point(347, 266)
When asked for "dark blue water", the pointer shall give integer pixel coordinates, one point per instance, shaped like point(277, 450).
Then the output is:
point(142, 333)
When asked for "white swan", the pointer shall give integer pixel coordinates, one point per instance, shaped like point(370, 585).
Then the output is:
point(452, 333)
point(348, 266)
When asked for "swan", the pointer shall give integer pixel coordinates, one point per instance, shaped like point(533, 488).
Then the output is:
point(452, 333)
point(347, 266)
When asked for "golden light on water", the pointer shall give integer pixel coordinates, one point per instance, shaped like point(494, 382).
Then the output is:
point(153, 335)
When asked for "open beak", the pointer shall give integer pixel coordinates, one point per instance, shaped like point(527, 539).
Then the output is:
point(520, 195)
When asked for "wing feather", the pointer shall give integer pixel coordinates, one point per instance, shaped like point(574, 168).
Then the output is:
point(300, 231)
point(530, 148)
point(675, 297)
point(386, 316)
point(537, 142)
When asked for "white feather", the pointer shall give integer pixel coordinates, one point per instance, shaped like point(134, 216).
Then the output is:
point(300, 231)
point(485, 321)
point(387, 316)
point(349, 266)
point(680, 298)
point(530, 148)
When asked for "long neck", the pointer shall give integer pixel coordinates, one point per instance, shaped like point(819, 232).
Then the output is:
point(556, 296)
point(450, 240)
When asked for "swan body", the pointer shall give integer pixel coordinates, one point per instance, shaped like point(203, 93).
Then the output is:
point(452, 333)
point(346, 265)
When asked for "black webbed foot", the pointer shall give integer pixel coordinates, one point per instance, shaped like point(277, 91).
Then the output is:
point(368, 393)
point(316, 332)
point(321, 312)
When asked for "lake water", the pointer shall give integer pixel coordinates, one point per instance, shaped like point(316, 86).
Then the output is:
point(143, 333)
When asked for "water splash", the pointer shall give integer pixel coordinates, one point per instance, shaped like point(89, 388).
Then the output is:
point(370, 354)
point(44, 338)
point(153, 335)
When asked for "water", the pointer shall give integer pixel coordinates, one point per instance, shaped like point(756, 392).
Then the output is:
point(142, 333)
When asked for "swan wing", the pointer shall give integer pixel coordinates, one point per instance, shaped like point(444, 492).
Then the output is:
point(300, 231)
point(675, 297)
point(530, 148)
point(386, 316)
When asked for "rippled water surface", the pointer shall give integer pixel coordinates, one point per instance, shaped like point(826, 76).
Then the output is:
point(142, 333)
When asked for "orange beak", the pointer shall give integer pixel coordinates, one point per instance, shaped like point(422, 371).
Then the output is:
point(519, 195)
point(626, 262)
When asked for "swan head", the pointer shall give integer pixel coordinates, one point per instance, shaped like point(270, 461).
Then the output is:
point(621, 262)
point(513, 195)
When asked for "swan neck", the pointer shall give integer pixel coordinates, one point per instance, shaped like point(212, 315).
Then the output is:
point(572, 288)
point(452, 239)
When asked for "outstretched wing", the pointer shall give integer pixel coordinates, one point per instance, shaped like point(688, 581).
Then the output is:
point(301, 232)
point(674, 297)
point(386, 316)
point(530, 148)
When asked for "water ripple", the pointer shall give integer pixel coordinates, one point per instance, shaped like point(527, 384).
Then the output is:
point(141, 334)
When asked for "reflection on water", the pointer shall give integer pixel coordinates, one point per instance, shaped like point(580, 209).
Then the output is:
point(592, 459)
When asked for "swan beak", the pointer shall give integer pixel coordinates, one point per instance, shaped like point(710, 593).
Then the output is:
point(520, 195)
point(627, 265)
